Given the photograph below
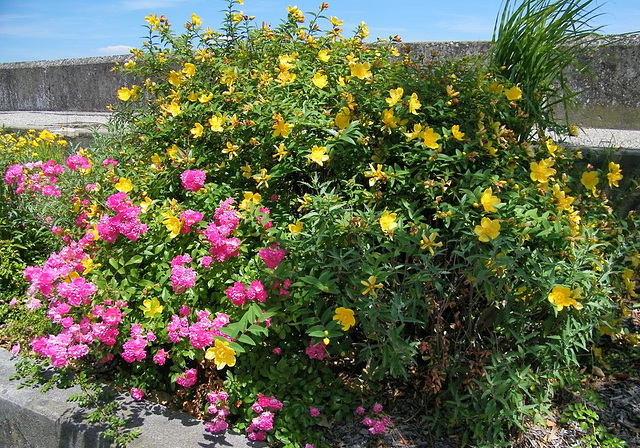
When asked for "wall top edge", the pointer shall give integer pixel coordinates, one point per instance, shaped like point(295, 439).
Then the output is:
point(620, 39)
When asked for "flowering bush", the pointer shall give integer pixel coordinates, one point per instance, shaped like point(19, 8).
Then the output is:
point(286, 203)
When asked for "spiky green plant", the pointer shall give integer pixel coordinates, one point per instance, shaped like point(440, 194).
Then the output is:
point(535, 42)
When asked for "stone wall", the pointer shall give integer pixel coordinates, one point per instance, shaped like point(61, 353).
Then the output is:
point(610, 95)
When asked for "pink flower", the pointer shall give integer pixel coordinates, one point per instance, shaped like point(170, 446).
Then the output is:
point(377, 408)
point(272, 256)
point(314, 412)
point(206, 261)
point(184, 310)
point(237, 294)
point(77, 161)
point(160, 357)
point(109, 163)
point(137, 394)
point(190, 218)
point(276, 351)
point(316, 351)
point(188, 379)
point(182, 278)
point(256, 291)
point(193, 180)
point(134, 350)
point(360, 410)
point(77, 291)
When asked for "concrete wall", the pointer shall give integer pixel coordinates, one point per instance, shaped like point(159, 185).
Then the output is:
point(611, 96)
point(86, 84)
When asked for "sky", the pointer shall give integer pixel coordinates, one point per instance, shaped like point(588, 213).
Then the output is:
point(32, 30)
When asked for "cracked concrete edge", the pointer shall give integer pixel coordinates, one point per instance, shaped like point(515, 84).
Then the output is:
point(30, 418)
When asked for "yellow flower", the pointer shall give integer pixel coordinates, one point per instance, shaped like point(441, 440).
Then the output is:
point(417, 132)
point(540, 172)
point(151, 307)
point(176, 78)
point(250, 197)
point(430, 138)
point(280, 128)
point(489, 229)
point(297, 15)
point(236, 18)
point(551, 147)
point(216, 123)
point(318, 155)
point(146, 204)
point(197, 130)
point(174, 108)
point(414, 104)
point(295, 228)
point(430, 243)
point(360, 70)
point(324, 55)
point(189, 69)
point(590, 180)
point(455, 131)
point(364, 31)
point(335, 21)
point(451, 91)
point(562, 297)
point(514, 93)
point(221, 354)
point(124, 185)
point(489, 201)
point(172, 152)
point(246, 171)
point(205, 98)
point(389, 120)
point(345, 317)
point(286, 62)
point(614, 174)
point(156, 161)
point(172, 223)
point(305, 202)
point(88, 265)
point(152, 19)
point(343, 118)
point(375, 175)
point(262, 178)
point(563, 201)
point(195, 20)
point(395, 95)
point(320, 80)
point(370, 286)
point(280, 152)
point(388, 222)
point(193, 97)
point(231, 150)
point(125, 94)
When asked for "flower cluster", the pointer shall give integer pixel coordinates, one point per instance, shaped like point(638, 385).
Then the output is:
point(264, 421)
point(125, 222)
point(36, 177)
point(218, 408)
point(375, 421)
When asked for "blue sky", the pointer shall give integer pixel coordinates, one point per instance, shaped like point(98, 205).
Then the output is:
point(57, 29)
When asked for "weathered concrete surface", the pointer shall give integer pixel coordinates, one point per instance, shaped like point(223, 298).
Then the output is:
point(32, 419)
point(610, 91)
point(85, 84)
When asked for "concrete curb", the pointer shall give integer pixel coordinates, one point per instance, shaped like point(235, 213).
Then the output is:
point(32, 419)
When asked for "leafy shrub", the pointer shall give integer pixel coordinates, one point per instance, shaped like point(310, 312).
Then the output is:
point(287, 205)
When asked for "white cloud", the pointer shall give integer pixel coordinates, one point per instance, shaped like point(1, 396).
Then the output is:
point(472, 25)
point(149, 4)
point(114, 49)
